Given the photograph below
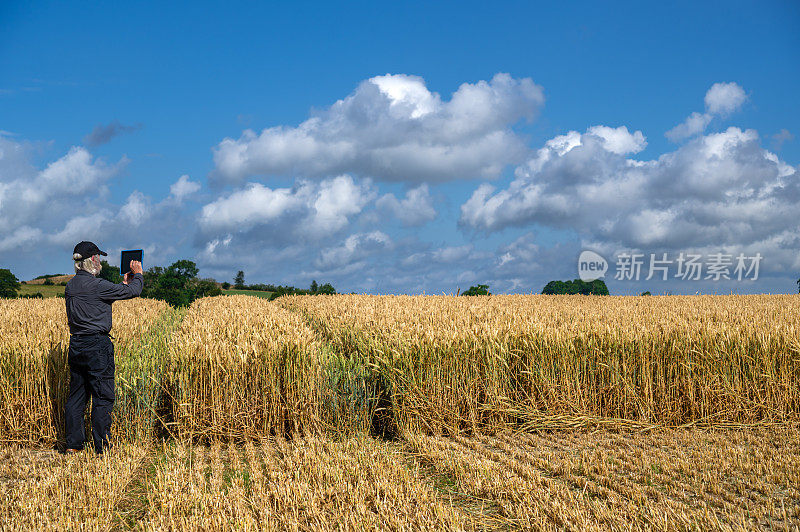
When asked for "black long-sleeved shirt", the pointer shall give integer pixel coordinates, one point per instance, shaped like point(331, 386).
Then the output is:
point(89, 301)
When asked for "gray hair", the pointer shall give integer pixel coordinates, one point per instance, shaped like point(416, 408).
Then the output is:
point(87, 264)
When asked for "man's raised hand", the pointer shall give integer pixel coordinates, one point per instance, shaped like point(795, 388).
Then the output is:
point(136, 267)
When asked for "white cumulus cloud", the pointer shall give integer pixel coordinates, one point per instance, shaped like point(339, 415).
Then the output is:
point(721, 99)
point(724, 98)
point(310, 209)
point(135, 209)
point(84, 227)
point(28, 195)
point(355, 247)
point(619, 140)
point(21, 237)
point(394, 128)
point(719, 189)
point(183, 187)
point(415, 209)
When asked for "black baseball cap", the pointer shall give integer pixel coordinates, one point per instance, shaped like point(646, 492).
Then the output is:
point(84, 250)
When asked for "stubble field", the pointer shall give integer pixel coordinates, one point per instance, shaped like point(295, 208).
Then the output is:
point(396, 412)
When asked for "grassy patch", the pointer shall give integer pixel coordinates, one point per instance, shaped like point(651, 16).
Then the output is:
point(46, 290)
point(255, 293)
point(132, 505)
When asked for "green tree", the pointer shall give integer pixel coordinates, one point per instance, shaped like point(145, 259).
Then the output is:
point(171, 284)
point(37, 295)
point(48, 282)
point(479, 290)
point(326, 289)
point(238, 281)
point(226, 285)
point(151, 281)
point(647, 293)
point(204, 288)
point(170, 288)
point(178, 284)
point(183, 269)
point(577, 286)
point(175, 283)
point(314, 287)
point(9, 284)
point(109, 272)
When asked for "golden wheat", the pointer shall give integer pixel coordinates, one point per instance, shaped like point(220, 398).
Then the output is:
point(307, 484)
point(242, 367)
point(446, 364)
point(40, 490)
point(665, 480)
point(34, 340)
point(569, 480)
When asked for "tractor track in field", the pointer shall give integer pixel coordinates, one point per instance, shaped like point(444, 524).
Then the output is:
point(131, 508)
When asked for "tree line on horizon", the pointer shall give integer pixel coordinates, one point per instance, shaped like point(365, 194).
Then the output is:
point(279, 290)
point(179, 285)
point(577, 286)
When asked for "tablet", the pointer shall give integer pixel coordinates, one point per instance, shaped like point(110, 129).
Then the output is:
point(127, 256)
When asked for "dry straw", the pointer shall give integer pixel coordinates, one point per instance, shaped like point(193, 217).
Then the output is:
point(448, 364)
point(34, 379)
point(242, 367)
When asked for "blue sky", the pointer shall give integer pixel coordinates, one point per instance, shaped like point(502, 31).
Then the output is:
point(104, 108)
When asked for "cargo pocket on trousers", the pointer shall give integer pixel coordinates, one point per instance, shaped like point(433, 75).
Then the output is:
point(108, 352)
point(91, 352)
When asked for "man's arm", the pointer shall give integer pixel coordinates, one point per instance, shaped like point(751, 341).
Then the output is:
point(129, 288)
point(109, 291)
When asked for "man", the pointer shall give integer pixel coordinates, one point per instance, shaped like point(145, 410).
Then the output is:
point(91, 353)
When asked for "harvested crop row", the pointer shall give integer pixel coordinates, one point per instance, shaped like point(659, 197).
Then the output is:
point(241, 367)
point(307, 484)
point(596, 481)
point(34, 339)
point(666, 480)
point(40, 490)
point(448, 364)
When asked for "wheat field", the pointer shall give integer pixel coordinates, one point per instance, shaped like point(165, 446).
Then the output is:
point(242, 367)
point(415, 413)
point(448, 365)
point(33, 372)
point(575, 480)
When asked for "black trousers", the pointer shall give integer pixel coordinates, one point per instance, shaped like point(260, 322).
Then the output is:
point(91, 371)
